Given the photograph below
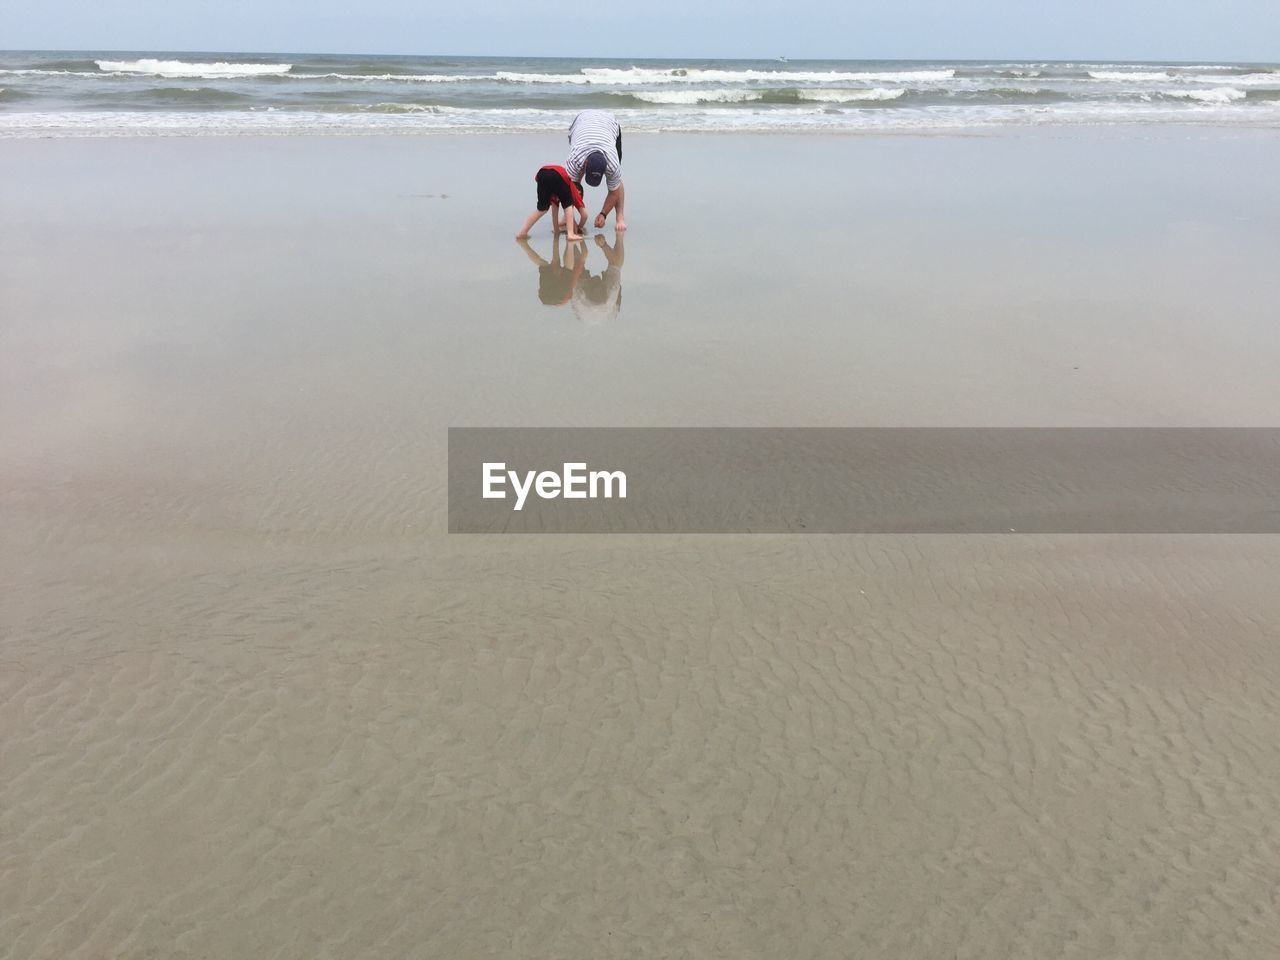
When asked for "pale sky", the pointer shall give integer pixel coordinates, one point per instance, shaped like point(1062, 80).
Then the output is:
point(1201, 30)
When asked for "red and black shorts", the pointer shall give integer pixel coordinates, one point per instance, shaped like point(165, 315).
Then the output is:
point(551, 184)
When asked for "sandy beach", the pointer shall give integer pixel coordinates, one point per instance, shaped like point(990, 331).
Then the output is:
point(256, 702)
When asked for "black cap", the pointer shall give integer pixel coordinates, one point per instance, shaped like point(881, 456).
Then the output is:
point(595, 167)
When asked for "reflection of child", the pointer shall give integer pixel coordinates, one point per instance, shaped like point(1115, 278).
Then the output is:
point(598, 299)
point(556, 190)
point(556, 280)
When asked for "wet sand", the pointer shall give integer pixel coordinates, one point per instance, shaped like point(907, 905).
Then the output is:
point(254, 700)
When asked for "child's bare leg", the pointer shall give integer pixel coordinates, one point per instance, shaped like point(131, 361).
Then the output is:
point(555, 217)
point(528, 224)
point(574, 229)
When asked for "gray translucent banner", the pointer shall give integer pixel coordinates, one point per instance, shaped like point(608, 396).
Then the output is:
point(873, 480)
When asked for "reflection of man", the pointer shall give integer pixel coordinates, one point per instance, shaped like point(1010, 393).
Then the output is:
point(556, 280)
point(595, 151)
point(598, 299)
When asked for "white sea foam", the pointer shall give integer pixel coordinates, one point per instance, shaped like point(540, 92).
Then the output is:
point(392, 107)
point(645, 75)
point(1216, 95)
point(540, 77)
point(1241, 80)
point(693, 96)
point(400, 119)
point(408, 77)
point(53, 73)
point(182, 68)
point(689, 97)
point(851, 96)
point(1128, 75)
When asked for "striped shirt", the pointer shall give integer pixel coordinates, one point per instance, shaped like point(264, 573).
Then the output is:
point(593, 130)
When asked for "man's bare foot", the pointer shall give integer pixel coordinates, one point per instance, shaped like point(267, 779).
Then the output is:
point(600, 221)
point(620, 226)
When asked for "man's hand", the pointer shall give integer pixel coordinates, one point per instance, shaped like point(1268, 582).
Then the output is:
point(600, 217)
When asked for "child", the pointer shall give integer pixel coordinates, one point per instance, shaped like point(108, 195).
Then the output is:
point(556, 190)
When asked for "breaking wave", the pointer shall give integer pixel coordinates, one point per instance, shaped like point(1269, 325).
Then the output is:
point(851, 96)
point(181, 68)
point(1122, 75)
point(774, 95)
point(694, 96)
point(1217, 95)
point(647, 75)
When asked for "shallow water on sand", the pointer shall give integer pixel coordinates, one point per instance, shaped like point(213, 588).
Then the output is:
point(256, 702)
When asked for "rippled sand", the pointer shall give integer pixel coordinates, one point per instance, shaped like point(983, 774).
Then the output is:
point(254, 702)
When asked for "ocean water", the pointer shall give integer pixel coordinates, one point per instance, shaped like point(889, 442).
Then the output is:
point(87, 93)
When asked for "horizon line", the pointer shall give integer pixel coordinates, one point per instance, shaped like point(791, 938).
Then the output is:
point(501, 56)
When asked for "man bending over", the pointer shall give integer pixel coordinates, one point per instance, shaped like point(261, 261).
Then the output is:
point(595, 152)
